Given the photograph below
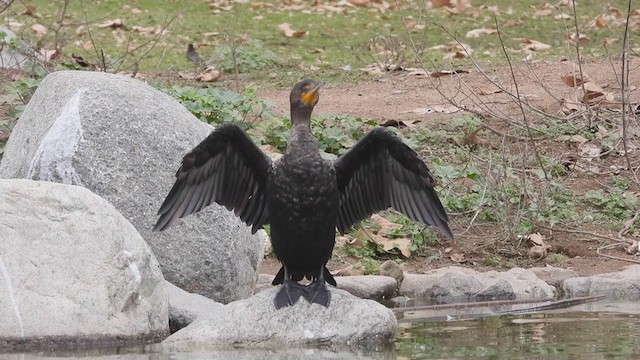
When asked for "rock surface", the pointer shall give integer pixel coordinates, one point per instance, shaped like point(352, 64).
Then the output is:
point(450, 284)
point(622, 285)
point(392, 269)
point(185, 307)
point(9, 58)
point(255, 322)
point(73, 270)
point(124, 141)
point(552, 275)
point(372, 287)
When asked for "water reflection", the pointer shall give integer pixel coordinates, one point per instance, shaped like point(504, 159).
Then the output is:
point(591, 331)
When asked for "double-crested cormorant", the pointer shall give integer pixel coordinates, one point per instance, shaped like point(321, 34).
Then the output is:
point(303, 197)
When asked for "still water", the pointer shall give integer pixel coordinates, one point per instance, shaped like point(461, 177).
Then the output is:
point(592, 331)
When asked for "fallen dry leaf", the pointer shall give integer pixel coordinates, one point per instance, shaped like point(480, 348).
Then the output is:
point(437, 74)
point(542, 12)
point(400, 123)
point(39, 29)
point(533, 45)
point(285, 28)
point(575, 79)
point(136, 11)
point(150, 30)
point(486, 89)
point(32, 11)
point(210, 74)
point(563, 16)
point(385, 225)
point(472, 139)
point(445, 109)
point(537, 239)
point(48, 55)
point(114, 24)
point(458, 258)
point(610, 41)
point(388, 245)
point(600, 22)
point(359, 3)
point(478, 32)
point(580, 39)
point(579, 139)
point(440, 3)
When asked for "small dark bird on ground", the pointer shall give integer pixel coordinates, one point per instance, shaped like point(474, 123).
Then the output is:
point(303, 197)
point(193, 55)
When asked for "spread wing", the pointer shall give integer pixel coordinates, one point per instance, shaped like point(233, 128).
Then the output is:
point(379, 172)
point(226, 168)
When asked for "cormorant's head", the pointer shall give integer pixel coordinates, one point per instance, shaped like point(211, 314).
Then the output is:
point(305, 94)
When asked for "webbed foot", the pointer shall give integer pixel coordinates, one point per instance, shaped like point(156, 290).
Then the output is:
point(289, 294)
point(318, 293)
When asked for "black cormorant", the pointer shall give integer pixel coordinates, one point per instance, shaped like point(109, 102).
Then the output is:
point(303, 197)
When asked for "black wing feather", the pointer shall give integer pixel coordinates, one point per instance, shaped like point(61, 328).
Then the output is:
point(226, 168)
point(379, 172)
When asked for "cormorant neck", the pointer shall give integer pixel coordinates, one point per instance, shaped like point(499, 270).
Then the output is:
point(301, 115)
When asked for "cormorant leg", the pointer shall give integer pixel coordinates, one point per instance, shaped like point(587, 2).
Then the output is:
point(290, 291)
point(319, 293)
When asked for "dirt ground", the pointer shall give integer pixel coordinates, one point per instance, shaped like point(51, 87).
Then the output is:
point(395, 96)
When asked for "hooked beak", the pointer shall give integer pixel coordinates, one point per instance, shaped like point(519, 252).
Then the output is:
point(310, 97)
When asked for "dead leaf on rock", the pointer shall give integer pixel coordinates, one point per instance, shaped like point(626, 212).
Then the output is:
point(285, 28)
point(478, 32)
point(39, 29)
point(210, 74)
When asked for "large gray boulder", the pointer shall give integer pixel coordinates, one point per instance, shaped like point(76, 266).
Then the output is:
point(73, 270)
point(124, 140)
point(255, 322)
point(621, 285)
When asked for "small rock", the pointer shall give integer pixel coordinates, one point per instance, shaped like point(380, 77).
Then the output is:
point(185, 307)
point(392, 269)
point(255, 322)
point(552, 275)
point(373, 287)
point(621, 285)
point(417, 285)
point(455, 286)
point(456, 283)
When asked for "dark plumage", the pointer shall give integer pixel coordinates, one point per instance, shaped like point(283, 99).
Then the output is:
point(303, 197)
point(193, 55)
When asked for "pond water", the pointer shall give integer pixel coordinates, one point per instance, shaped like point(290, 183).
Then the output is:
point(592, 331)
